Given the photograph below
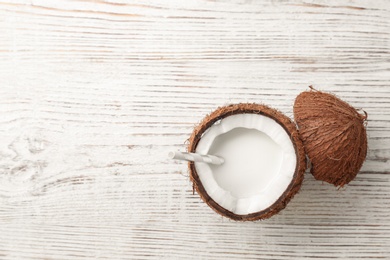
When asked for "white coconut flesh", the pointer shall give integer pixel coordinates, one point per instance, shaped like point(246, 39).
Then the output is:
point(259, 165)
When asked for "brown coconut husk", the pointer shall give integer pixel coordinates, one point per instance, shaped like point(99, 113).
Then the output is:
point(290, 128)
point(333, 134)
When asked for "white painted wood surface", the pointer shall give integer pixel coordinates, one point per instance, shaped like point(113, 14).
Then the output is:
point(93, 94)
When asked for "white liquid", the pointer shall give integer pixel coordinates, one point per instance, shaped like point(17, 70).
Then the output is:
point(260, 162)
point(252, 161)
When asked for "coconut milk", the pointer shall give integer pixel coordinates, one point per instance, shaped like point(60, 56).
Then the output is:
point(252, 160)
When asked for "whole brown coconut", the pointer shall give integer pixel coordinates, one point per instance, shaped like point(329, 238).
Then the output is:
point(288, 126)
point(333, 134)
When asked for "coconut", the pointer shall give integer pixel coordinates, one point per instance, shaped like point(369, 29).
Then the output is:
point(264, 161)
point(333, 134)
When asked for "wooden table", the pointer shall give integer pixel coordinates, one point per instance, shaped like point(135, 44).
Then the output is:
point(93, 95)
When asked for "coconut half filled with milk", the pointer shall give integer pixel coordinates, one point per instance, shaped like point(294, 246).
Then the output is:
point(264, 161)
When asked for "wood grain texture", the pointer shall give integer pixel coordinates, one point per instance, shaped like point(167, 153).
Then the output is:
point(94, 93)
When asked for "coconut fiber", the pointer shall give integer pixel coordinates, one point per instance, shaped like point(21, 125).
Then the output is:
point(333, 134)
point(290, 128)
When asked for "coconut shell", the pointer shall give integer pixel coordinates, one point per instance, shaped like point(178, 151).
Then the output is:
point(333, 134)
point(290, 128)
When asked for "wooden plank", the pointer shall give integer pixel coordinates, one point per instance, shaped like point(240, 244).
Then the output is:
point(94, 94)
